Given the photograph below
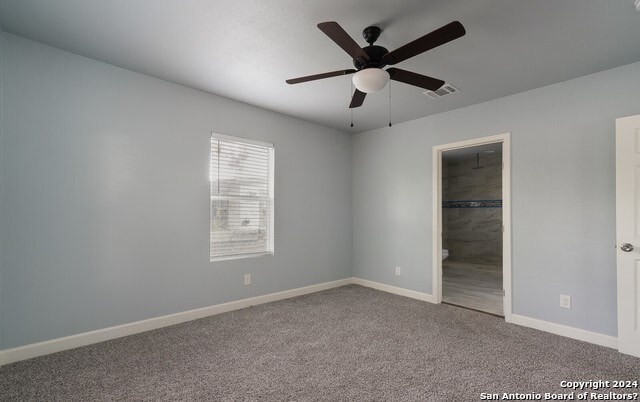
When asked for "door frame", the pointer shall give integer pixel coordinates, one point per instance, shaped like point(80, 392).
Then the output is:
point(505, 139)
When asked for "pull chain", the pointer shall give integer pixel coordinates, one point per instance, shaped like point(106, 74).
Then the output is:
point(389, 103)
point(350, 108)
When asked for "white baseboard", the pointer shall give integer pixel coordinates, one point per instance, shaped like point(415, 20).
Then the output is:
point(73, 341)
point(69, 342)
point(395, 290)
point(563, 330)
point(558, 329)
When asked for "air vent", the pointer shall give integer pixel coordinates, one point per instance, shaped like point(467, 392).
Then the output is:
point(444, 90)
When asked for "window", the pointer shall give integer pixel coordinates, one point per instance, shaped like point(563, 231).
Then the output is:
point(241, 197)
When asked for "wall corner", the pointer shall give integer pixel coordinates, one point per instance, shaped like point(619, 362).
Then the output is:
point(1, 176)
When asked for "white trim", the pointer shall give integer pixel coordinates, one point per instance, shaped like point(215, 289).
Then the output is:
point(563, 330)
point(87, 338)
point(395, 290)
point(73, 341)
point(436, 287)
point(506, 222)
point(436, 225)
point(238, 256)
point(546, 326)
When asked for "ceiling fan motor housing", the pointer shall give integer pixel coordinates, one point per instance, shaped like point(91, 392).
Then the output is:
point(375, 54)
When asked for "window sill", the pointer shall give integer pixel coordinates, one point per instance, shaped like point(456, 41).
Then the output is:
point(239, 256)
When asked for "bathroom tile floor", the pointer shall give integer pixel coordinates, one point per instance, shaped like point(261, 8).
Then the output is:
point(475, 286)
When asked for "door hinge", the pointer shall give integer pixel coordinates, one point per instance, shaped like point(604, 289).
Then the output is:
point(504, 293)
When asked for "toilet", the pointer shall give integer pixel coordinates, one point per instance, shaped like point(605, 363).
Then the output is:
point(445, 254)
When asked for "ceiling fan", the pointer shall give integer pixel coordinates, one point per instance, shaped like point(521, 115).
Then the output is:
point(369, 60)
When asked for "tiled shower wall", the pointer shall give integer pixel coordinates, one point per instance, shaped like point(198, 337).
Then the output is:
point(472, 234)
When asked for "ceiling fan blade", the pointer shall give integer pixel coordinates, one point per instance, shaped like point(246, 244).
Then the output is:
point(342, 39)
point(320, 76)
point(440, 36)
point(418, 80)
point(357, 99)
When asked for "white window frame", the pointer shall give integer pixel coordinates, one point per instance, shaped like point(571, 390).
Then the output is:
point(271, 197)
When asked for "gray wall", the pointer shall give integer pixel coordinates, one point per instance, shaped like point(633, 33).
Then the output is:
point(1, 174)
point(105, 196)
point(106, 213)
point(472, 234)
point(563, 174)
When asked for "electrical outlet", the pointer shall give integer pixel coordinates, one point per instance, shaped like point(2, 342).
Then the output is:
point(398, 271)
point(247, 279)
point(565, 301)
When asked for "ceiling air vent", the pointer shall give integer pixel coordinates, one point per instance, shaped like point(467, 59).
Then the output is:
point(444, 90)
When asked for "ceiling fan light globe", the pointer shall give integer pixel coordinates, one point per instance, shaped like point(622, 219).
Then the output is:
point(370, 80)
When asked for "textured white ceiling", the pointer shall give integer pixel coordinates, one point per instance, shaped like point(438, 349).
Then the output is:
point(245, 49)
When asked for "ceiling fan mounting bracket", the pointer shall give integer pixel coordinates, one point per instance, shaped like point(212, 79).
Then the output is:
point(371, 34)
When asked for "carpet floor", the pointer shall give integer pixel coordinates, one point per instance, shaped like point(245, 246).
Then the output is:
point(349, 344)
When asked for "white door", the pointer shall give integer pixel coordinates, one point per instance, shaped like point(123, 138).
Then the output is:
point(628, 233)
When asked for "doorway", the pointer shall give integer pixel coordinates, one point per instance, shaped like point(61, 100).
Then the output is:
point(472, 228)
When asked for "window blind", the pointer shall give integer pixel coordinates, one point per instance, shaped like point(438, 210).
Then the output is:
point(242, 208)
